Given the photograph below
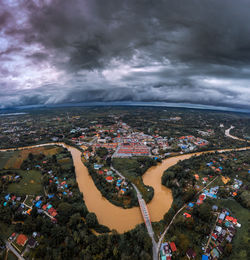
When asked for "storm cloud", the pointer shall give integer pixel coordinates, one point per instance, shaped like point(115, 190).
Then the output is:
point(133, 50)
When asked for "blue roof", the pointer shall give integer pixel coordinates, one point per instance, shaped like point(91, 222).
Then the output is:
point(204, 257)
point(5, 203)
point(38, 204)
point(7, 197)
point(191, 204)
point(51, 196)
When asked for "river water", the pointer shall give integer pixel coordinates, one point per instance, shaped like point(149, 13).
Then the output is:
point(116, 217)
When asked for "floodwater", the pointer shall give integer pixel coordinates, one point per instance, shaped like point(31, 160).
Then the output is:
point(118, 218)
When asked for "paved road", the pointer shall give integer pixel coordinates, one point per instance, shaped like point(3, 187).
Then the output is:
point(145, 214)
point(167, 228)
point(14, 251)
point(176, 214)
point(227, 133)
point(210, 236)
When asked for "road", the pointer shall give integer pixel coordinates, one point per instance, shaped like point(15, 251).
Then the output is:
point(227, 133)
point(14, 251)
point(145, 215)
point(212, 230)
point(167, 228)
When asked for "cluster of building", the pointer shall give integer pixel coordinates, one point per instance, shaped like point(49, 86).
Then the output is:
point(121, 140)
point(61, 184)
point(190, 143)
point(223, 233)
point(167, 250)
point(209, 132)
point(132, 149)
point(120, 184)
point(11, 199)
point(11, 178)
point(22, 243)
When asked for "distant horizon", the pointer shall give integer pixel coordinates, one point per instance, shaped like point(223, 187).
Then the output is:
point(131, 104)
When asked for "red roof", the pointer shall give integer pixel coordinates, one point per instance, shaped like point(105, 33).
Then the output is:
point(109, 178)
point(202, 197)
point(214, 236)
point(52, 212)
point(173, 246)
point(21, 240)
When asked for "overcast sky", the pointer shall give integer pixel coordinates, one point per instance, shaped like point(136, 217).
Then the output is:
point(57, 51)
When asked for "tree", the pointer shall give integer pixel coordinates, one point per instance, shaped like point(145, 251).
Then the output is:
point(101, 152)
point(31, 156)
point(91, 220)
point(228, 249)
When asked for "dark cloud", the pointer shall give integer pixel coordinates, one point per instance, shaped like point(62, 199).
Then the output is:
point(139, 50)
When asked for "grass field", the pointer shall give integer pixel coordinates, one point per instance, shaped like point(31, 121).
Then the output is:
point(241, 240)
point(14, 159)
point(65, 163)
point(5, 157)
point(30, 183)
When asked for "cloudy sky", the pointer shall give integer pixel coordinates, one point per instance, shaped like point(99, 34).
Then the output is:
point(58, 51)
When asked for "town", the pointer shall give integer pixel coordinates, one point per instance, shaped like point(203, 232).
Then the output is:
point(41, 193)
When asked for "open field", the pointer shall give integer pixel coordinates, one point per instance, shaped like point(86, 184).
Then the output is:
point(14, 159)
point(65, 163)
point(29, 184)
point(5, 157)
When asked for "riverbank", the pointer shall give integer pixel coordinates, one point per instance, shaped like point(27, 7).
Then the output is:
point(117, 218)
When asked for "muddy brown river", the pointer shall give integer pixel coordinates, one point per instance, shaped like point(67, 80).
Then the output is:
point(116, 217)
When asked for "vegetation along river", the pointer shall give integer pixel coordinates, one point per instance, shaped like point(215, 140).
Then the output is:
point(116, 217)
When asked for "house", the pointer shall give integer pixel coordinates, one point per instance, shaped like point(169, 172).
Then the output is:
point(229, 239)
point(190, 253)
point(215, 253)
point(173, 246)
point(31, 242)
point(214, 236)
point(109, 179)
point(215, 208)
point(12, 237)
point(187, 215)
point(218, 229)
point(21, 240)
point(52, 212)
point(222, 216)
point(38, 204)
